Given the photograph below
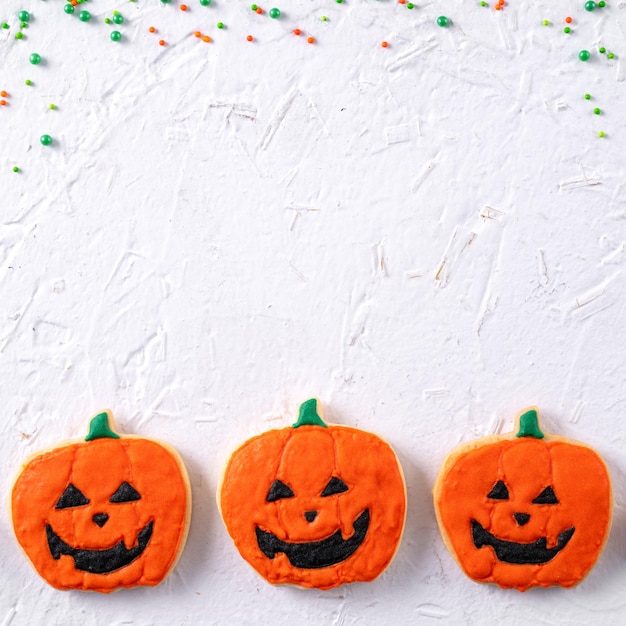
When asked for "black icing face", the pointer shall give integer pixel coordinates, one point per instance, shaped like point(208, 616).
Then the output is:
point(98, 561)
point(313, 554)
point(513, 552)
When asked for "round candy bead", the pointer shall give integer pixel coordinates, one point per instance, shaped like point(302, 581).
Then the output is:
point(35, 58)
point(443, 21)
point(84, 16)
point(116, 35)
point(590, 5)
point(118, 18)
point(46, 140)
point(275, 13)
point(584, 55)
point(23, 16)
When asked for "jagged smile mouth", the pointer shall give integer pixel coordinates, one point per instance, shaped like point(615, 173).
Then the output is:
point(100, 561)
point(316, 554)
point(520, 553)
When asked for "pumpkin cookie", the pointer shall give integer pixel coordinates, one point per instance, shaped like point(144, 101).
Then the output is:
point(108, 512)
point(314, 505)
point(524, 509)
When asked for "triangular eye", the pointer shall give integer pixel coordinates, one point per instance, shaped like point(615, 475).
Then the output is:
point(125, 493)
point(547, 496)
point(279, 490)
point(499, 492)
point(335, 485)
point(72, 496)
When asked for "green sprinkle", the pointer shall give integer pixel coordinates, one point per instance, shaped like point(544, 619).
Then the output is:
point(584, 55)
point(410, 5)
point(602, 50)
point(546, 23)
point(107, 20)
point(84, 16)
point(610, 55)
point(587, 96)
point(165, 1)
point(254, 7)
point(116, 35)
point(5, 25)
point(28, 82)
point(23, 16)
point(324, 18)
point(53, 107)
point(597, 111)
point(46, 140)
point(23, 25)
point(567, 30)
point(16, 169)
point(69, 9)
point(590, 5)
point(19, 35)
point(205, 3)
point(116, 12)
point(220, 24)
point(274, 13)
point(35, 58)
point(600, 134)
point(443, 21)
point(118, 18)
point(602, 4)
point(338, 1)
point(483, 4)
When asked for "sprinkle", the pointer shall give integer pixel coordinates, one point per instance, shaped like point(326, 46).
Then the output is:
point(152, 29)
point(443, 21)
point(250, 38)
point(587, 96)
point(597, 111)
point(3, 103)
point(259, 11)
point(610, 55)
point(69, 9)
point(568, 20)
point(3, 93)
point(602, 4)
point(107, 20)
point(567, 30)
point(205, 3)
point(115, 35)
point(5, 25)
point(297, 31)
point(35, 58)
point(53, 107)
point(16, 169)
point(118, 18)
point(584, 55)
point(602, 50)
point(161, 41)
point(410, 5)
point(220, 25)
point(165, 1)
point(19, 35)
point(198, 34)
point(384, 44)
point(45, 140)
point(546, 22)
point(183, 7)
point(324, 18)
point(590, 5)
point(254, 7)
point(206, 38)
point(600, 134)
point(84, 16)
point(483, 4)
point(338, 1)
point(310, 40)
point(274, 13)
point(28, 82)
point(23, 16)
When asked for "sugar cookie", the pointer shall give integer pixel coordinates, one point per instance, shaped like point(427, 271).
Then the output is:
point(314, 505)
point(524, 509)
point(108, 512)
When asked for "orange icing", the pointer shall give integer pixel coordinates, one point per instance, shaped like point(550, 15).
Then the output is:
point(305, 459)
point(97, 469)
point(526, 465)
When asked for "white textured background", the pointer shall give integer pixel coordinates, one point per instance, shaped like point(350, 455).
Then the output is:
point(428, 237)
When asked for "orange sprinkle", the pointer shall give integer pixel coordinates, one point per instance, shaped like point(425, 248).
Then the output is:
point(152, 29)
point(3, 102)
point(402, 1)
point(311, 40)
point(183, 7)
point(297, 31)
point(568, 20)
point(161, 42)
point(259, 10)
point(206, 38)
point(74, 3)
point(250, 38)
point(3, 93)
point(198, 34)
point(384, 44)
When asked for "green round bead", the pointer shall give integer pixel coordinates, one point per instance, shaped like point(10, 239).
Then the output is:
point(274, 13)
point(567, 30)
point(602, 50)
point(338, 1)
point(602, 4)
point(165, 1)
point(16, 169)
point(205, 3)
point(587, 96)
point(118, 18)
point(23, 16)
point(324, 18)
point(24, 25)
point(590, 5)
point(220, 24)
point(84, 16)
point(254, 7)
point(19, 35)
point(410, 5)
point(46, 140)
point(69, 9)
point(443, 21)
point(5, 25)
point(28, 82)
point(53, 107)
point(107, 20)
point(597, 111)
point(546, 23)
point(610, 55)
point(483, 3)
point(600, 134)
point(35, 58)
point(116, 35)
point(584, 55)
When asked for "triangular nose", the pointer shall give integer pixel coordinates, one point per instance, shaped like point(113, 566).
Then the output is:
point(100, 519)
point(310, 516)
point(521, 518)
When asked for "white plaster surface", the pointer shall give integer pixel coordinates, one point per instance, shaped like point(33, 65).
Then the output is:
point(428, 237)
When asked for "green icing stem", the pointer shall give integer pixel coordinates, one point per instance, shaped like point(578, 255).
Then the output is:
point(99, 428)
point(529, 425)
point(308, 416)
